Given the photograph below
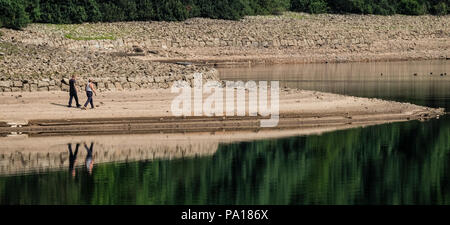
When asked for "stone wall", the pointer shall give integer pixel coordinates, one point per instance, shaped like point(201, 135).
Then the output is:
point(113, 83)
point(28, 67)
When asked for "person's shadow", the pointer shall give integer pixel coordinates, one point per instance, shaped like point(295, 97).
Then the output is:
point(89, 159)
point(72, 158)
point(62, 105)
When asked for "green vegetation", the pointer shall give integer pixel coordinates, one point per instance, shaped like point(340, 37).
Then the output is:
point(8, 48)
point(17, 13)
point(382, 7)
point(12, 14)
point(82, 38)
point(85, 32)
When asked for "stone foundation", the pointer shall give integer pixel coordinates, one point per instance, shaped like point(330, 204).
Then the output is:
point(113, 83)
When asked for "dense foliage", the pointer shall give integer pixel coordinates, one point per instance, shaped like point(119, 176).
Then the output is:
point(17, 13)
point(383, 7)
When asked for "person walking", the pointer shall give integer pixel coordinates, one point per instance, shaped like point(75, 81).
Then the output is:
point(90, 90)
point(73, 91)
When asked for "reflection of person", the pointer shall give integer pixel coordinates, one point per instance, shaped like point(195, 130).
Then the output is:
point(72, 158)
point(73, 91)
point(89, 160)
point(90, 90)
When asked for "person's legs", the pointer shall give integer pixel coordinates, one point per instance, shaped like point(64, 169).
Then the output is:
point(70, 150)
point(89, 96)
point(75, 95)
point(76, 150)
point(92, 102)
point(70, 100)
point(89, 149)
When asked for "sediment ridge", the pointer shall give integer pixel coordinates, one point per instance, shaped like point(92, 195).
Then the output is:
point(149, 111)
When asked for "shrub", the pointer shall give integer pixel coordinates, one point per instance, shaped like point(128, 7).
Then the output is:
point(309, 6)
point(12, 14)
point(440, 8)
point(411, 7)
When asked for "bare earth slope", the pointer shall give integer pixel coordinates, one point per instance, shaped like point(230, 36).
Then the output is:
point(289, 38)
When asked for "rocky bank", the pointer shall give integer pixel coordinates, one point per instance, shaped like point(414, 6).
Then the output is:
point(27, 67)
point(128, 55)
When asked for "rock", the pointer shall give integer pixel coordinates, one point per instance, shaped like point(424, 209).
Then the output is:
point(17, 84)
point(16, 89)
point(110, 86)
point(33, 87)
point(54, 88)
point(138, 49)
point(118, 86)
point(26, 87)
point(159, 79)
point(126, 86)
point(5, 84)
point(42, 84)
point(134, 86)
point(101, 85)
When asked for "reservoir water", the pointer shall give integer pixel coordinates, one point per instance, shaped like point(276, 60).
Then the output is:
point(398, 163)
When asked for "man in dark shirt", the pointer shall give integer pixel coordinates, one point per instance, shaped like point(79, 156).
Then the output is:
point(73, 91)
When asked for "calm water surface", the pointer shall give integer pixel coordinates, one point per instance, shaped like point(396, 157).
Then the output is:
point(399, 163)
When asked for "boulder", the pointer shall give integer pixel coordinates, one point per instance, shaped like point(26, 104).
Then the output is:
point(5, 84)
point(17, 84)
point(33, 87)
point(118, 86)
point(42, 84)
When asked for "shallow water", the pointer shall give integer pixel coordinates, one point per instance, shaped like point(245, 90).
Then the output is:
point(391, 81)
point(399, 163)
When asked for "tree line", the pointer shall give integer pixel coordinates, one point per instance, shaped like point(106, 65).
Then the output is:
point(18, 13)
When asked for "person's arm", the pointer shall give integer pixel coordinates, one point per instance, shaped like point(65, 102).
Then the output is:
point(93, 89)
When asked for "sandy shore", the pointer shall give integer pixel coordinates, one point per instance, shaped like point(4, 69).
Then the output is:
point(138, 125)
point(148, 111)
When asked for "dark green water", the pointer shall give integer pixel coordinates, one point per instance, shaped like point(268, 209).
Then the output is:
point(400, 163)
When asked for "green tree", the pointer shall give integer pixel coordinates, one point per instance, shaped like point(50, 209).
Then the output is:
point(412, 7)
point(440, 8)
point(310, 6)
point(12, 14)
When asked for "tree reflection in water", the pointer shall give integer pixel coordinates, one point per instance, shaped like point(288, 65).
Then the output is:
point(400, 163)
